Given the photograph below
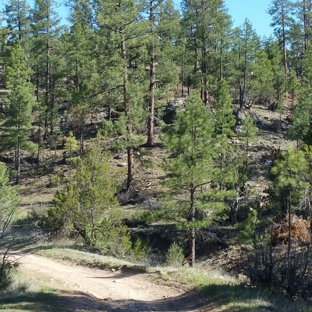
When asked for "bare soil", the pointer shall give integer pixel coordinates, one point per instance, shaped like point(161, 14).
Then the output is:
point(86, 289)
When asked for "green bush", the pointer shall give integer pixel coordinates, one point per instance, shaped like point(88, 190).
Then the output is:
point(88, 207)
point(175, 255)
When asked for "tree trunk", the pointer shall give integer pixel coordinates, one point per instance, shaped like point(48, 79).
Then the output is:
point(130, 158)
point(17, 164)
point(193, 246)
point(81, 139)
point(152, 87)
point(193, 231)
point(130, 175)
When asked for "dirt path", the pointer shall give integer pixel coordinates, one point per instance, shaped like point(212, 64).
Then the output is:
point(86, 289)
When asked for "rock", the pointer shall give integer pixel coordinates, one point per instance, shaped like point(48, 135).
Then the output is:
point(120, 156)
point(240, 116)
point(122, 164)
point(169, 113)
point(243, 278)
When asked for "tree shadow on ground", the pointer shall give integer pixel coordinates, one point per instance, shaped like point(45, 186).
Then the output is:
point(208, 299)
point(50, 302)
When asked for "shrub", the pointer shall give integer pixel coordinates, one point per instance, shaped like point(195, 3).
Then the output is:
point(9, 200)
point(175, 255)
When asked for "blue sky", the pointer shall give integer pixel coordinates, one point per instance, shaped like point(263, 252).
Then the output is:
point(255, 11)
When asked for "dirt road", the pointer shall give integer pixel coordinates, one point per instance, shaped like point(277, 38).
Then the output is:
point(86, 289)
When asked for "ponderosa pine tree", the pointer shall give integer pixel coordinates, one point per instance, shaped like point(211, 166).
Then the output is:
point(3, 48)
point(224, 117)
point(290, 183)
point(244, 56)
point(229, 167)
point(18, 20)
point(17, 127)
point(278, 83)
point(260, 88)
point(191, 167)
point(164, 26)
point(45, 32)
point(9, 203)
point(303, 11)
point(300, 129)
point(281, 13)
point(81, 67)
point(207, 26)
point(122, 33)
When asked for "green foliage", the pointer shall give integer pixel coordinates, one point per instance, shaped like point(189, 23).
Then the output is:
point(192, 167)
point(225, 118)
point(300, 130)
point(191, 142)
point(118, 131)
point(9, 201)
point(88, 205)
point(247, 228)
point(111, 236)
point(71, 143)
point(174, 255)
point(70, 146)
point(249, 131)
point(16, 129)
point(140, 248)
point(245, 57)
point(18, 20)
point(290, 174)
point(199, 18)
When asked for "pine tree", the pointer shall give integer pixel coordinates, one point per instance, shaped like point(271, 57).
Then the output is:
point(225, 119)
point(17, 14)
point(290, 184)
point(300, 129)
point(281, 12)
point(17, 127)
point(191, 167)
point(249, 131)
point(260, 89)
point(244, 55)
point(300, 32)
point(45, 60)
point(88, 204)
point(164, 26)
point(81, 70)
point(290, 177)
point(207, 26)
point(9, 202)
point(275, 56)
point(122, 32)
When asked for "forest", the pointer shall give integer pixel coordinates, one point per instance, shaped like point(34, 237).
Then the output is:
point(130, 77)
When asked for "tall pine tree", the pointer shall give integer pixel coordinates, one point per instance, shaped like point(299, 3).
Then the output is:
point(16, 129)
point(190, 169)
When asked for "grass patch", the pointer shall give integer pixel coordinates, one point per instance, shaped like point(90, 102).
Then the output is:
point(90, 260)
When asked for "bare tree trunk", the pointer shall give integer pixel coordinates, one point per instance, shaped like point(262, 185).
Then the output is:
point(130, 158)
point(130, 175)
point(193, 231)
point(17, 164)
point(151, 105)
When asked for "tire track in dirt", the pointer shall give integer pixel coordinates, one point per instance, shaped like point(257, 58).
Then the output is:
point(113, 291)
